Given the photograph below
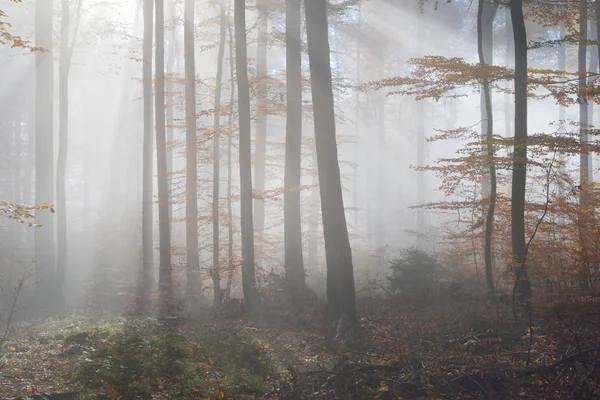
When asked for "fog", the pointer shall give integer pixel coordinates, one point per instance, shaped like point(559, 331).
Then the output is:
point(381, 137)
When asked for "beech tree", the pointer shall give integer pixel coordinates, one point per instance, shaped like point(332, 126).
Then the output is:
point(251, 295)
point(294, 263)
point(340, 275)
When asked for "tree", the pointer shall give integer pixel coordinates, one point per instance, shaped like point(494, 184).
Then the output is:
point(340, 275)
point(44, 153)
point(251, 296)
point(164, 277)
point(519, 161)
point(191, 144)
point(147, 185)
point(485, 20)
point(64, 68)
point(261, 121)
point(216, 272)
point(294, 263)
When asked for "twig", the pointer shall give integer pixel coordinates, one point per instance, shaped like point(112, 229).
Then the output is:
point(552, 367)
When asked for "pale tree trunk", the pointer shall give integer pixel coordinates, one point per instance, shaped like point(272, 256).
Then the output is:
point(44, 155)
point(381, 181)
point(312, 243)
point(191, 176)
point(230, 265)
point(169, 88)
point(294, 263)
point(357, 118)
point(340, 275)
point(147, 180)
point(216, 272)
point(251, 295)
point(420, 116)
point(165, 274)
point(485, 20)
point(261, 125)
point(64, 68)
point(519, 175)
point(561, 63)
point(508, 62)
point(593, 69)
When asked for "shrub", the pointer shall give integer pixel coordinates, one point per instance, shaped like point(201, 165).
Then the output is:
point(413, 273)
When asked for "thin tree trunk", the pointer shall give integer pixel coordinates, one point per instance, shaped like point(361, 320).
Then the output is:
point(312, 242)
point(381, 181)
point(230, 264)
point(519, 176)
point(147, 189)
point(294, 263)
point(191, 177)
point(170, 107)
point(357, 118)
point(251, 296)
point(562, 61)
point(508, 57)
point(261, 125)
point(593, 69)
point(340, 275)
point(485, 19)
point(165, 274)
point(216, 272)
point(44, 154)
point(583, 133)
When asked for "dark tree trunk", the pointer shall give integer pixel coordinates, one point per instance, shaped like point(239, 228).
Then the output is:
point(165, 274)
point(340, 274)
point(251, 296)
point(44, 154)
point(519, 175)
point(485, 20)
point(261, 125)
point(294, 263)
point(194, 281)
point(147, 189)
point(216, 272)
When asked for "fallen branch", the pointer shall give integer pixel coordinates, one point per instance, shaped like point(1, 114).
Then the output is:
point(552, 367)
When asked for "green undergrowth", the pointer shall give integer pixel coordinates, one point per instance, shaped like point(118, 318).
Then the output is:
point(145, 358)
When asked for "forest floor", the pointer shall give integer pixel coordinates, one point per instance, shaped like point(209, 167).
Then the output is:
point(455, 350)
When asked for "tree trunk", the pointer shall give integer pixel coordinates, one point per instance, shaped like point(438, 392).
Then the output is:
point(44, 154)
point(357, 118)
point(519, 175)
point(593, 69)
point(165, 274)
point(261, 124)
point(216, 272)
point(485, 20)
point(584, 170)
point(170, 107)
point(340, 275)
point(294, 263)
point(193, 286)
point(508, 57)
point(251, 296)
point(312, 242)
point(147, 189)
point(562, 61)
point(230, 265)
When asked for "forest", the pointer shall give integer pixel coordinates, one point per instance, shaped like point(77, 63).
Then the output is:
point(287, 199)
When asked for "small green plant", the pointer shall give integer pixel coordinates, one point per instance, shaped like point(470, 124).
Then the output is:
point(412, 273)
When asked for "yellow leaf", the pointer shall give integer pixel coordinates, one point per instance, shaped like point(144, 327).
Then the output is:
point(13, 349)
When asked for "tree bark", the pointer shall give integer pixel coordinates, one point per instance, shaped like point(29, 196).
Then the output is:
point(170, 107)
point(165, 274)
point(147, 189)
point(216, 272)
point(340, 275)
point(294, 262)
point(44, 154)
point(191, 177)
point(485, 20)
point(251, 296)
point(519, 175)
point(230, 265)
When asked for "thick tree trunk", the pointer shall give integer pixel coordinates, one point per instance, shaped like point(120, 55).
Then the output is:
point(194, 281)
point(44, 154)
point(357, 119)
point(340, 275)
point(261, 125)
point(485, 20)
point(294, 263)
point(165, 274)
point(519, 175)
point(251, 296)
point(216, 272)
point(508, 62)
point(147, 189)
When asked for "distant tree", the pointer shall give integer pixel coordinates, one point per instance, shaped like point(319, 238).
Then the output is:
point(340, 275)
point(216, 270)
point(165, 274)
point(147, 178)
point(191, 155)
point(251, 295)
point(294, 263)
point(44, 151)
